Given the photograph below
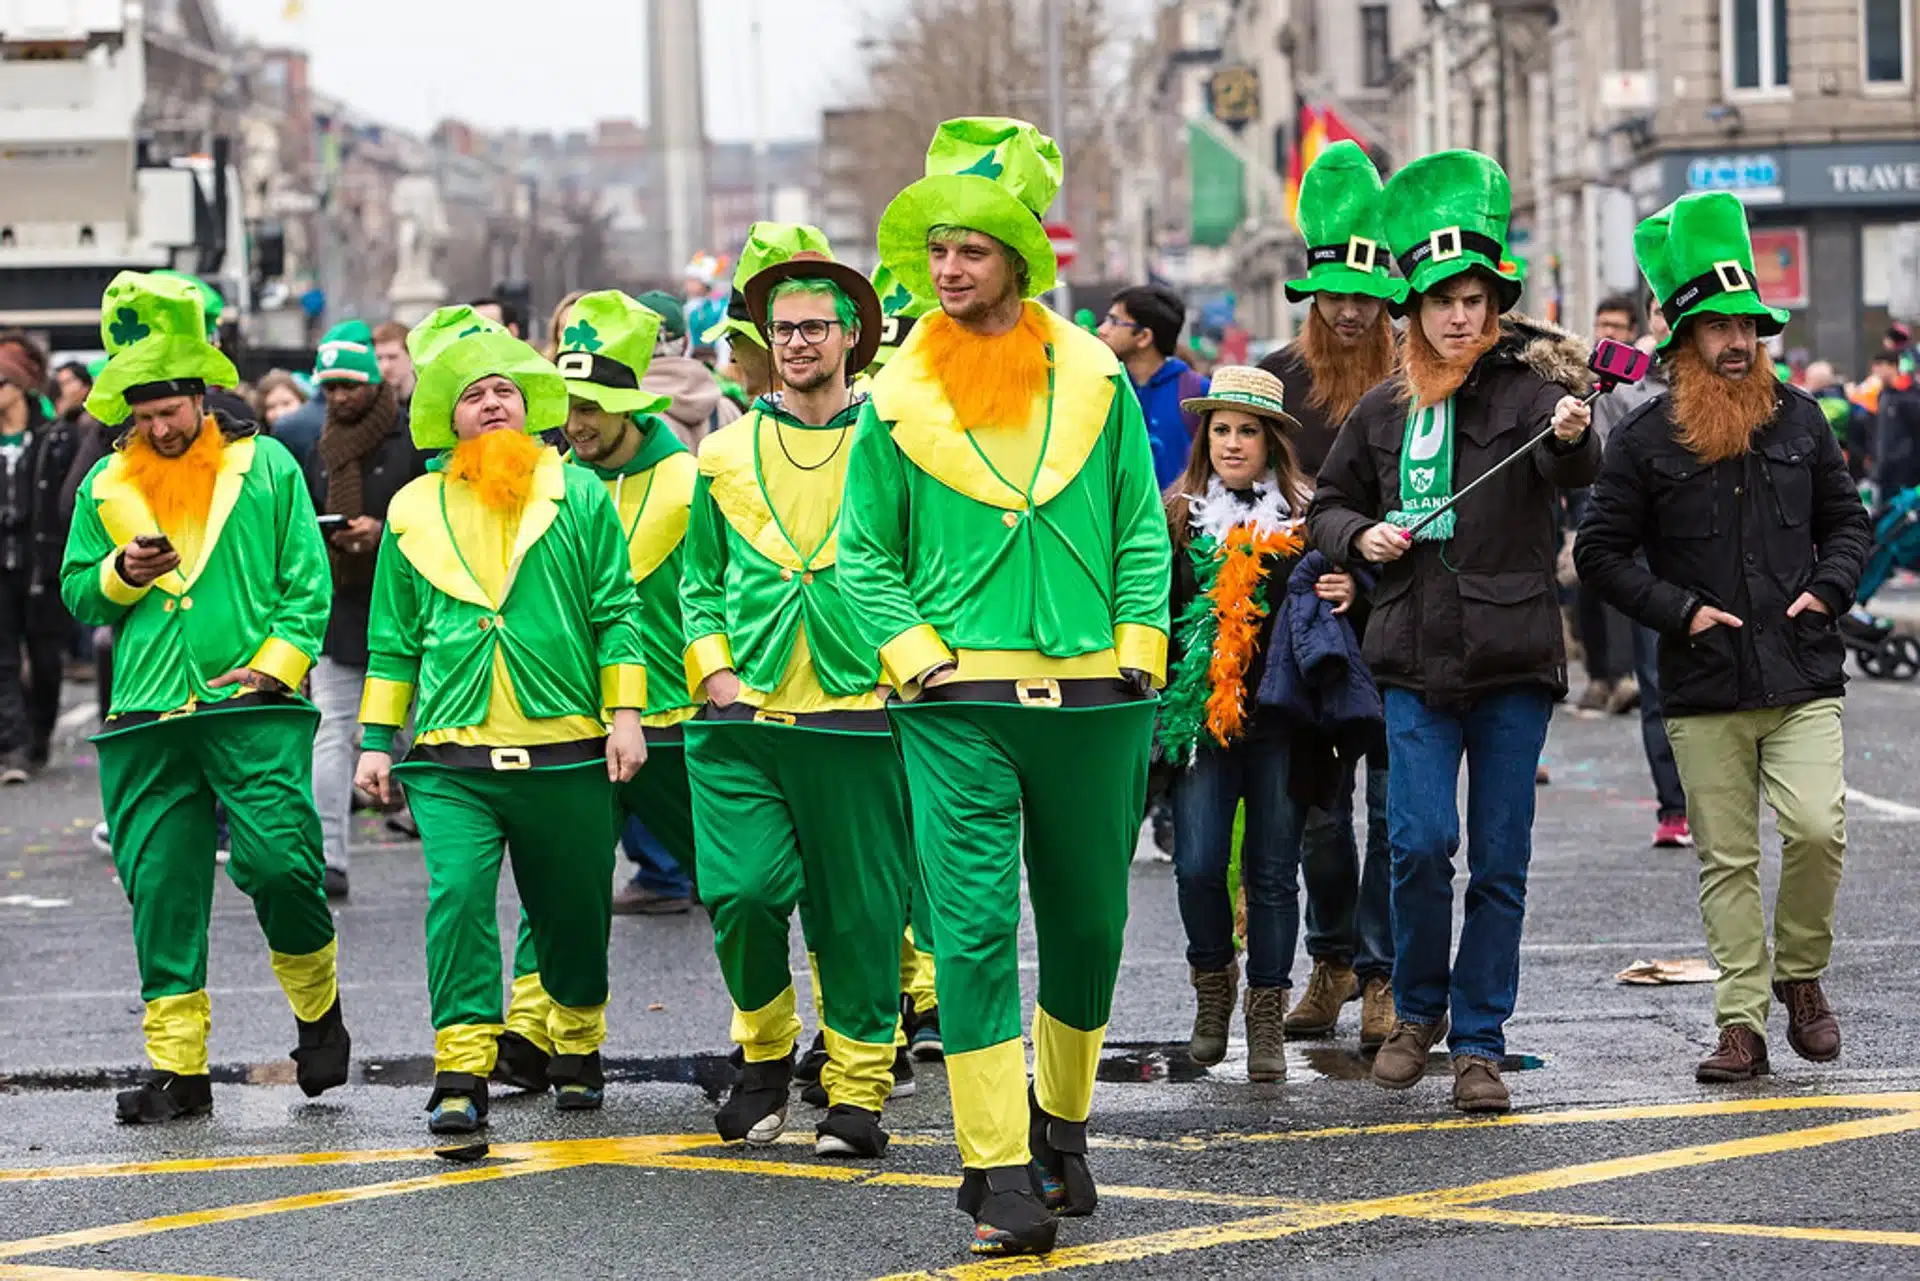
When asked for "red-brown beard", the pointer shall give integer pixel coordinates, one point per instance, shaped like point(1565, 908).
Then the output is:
point(1430, 377)
point(1343, 372)
point(499, 466)
point(1714, 416)
point(179, 490)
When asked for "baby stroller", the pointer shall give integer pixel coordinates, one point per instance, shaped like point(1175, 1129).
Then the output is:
point(1896, 543)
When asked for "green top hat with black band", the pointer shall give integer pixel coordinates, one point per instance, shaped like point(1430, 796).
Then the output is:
point(899, 309)
point(1446, 214)
point(1697, 255)
point(155, 331)
point(984, 173)
point(346, 355)
point(456, 347)
point(1341, 219)
point(605, 348)
point(767, 244)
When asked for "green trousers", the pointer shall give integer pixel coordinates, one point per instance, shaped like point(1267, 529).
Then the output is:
point(813, 820)
point(158, 785)
point(1792, 756)
point(557, 826)
point(1069, 787)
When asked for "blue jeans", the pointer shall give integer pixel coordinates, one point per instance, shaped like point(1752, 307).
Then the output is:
point(654, 868)
point(1653, 730)
point(1205, 796)
point(1350, 906)
point(1500, 736)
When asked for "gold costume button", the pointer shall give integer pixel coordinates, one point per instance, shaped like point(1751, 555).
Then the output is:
point(186, 602)
point(786, 575)
point(1010, 519)
point(167, 608)
point(807, 577)
point(485, 623)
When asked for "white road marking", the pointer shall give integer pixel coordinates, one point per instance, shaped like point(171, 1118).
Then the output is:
point(77, 718)
point(1883, 808)
point(30, 900)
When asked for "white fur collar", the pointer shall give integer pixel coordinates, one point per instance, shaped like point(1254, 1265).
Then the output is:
point(1219, 509)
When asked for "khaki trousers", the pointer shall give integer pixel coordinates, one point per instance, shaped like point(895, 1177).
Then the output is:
point(1795, 755)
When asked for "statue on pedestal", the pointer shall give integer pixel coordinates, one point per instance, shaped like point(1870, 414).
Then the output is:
point(421, 232)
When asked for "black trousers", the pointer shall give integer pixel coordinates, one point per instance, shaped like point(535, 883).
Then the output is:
point(37, 631)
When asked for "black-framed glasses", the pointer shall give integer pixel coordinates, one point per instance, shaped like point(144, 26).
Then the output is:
point(1121, 322)
point(809, 332)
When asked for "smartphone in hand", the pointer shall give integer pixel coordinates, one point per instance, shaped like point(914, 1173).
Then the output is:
point(331, 523)
point(154, 542)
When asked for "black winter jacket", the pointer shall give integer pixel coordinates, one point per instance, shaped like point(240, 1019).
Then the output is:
point(1456, 619)
point(1746, 535)
point(383, 473)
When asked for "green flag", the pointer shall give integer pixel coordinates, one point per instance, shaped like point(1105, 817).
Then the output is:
point(1219, 187)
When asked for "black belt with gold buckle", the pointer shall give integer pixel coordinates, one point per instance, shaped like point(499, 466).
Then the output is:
point(872, 721)
point(259, 698)
point(509, 759)
point(1035, 691)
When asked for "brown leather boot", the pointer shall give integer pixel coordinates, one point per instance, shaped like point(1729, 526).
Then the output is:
point(1740, 1056)
point(1213, 993)
point(1330, 986)
point(1376, 1013)
point(1402, 1060)
point(1266, 1035)
point(1812, 1030)
point(1477, 1086)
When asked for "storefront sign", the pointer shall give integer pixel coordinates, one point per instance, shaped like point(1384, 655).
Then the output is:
point(1850, 175)
point(1780, 265)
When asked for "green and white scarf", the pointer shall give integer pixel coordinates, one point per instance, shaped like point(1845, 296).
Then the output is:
point(1426, 471)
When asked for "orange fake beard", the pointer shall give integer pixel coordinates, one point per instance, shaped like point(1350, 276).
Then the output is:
point(1343, 373)
point(498, 465)
point(179, 491)
point(1430, 377)
point(989, 381)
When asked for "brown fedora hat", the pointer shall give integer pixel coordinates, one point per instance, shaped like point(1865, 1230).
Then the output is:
point(813, 266)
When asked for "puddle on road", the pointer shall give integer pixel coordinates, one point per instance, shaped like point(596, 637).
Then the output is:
point(1169, 1062)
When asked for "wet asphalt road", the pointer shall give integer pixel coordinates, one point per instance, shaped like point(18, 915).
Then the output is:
point(1617, 1164)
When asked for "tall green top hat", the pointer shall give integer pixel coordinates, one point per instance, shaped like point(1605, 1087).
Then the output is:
point(767, 244)
point(1341, 220)
point(346, 355)
point(456, 347)
point(1697, 255)
point(605, 350)
point(900, 310)
point(210, 298)
point(1447, 213)
point(155, 331)
point(987, 174)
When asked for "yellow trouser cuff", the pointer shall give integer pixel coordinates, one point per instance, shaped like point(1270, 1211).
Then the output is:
point(311, 982)
point(857, 1072)
point(176, 1029)
point(286, 663)
point(989, 1089)
point(117, 589)
point(705, 656)
point(769, 1032)
point(623, 686)
point(466, 1047)
point(529, 1012)
point(1142, 648)
point(911, 655)
point(577, 1029)
point(384, 702)
point(1064, 1062)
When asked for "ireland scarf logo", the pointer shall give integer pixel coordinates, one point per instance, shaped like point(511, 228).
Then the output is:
point(1426, 471)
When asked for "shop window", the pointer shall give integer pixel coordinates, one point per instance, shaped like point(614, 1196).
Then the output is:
point(1884, 37)
point(1753, 47)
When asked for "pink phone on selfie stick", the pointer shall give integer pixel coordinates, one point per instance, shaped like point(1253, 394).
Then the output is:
point(1614, 363)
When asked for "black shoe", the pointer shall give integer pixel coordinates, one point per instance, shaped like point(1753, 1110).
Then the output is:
point(924, 1041)
point(1060, 1162)
point(756, 1107)
point(458, 1103)
point(812, 1061)
point(815, 1095)
point(849, 1131)
point(334, 880)
point(903, 1086)
point(165, 1096)
point(578, 1082)
point(1007, 1217)
point(324, 1054)
point(520, 1063)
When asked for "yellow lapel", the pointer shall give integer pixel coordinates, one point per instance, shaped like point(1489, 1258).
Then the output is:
point(907, 395)
point(236, 460)
point(662, 523)
point(543, 504)
point(726, 460)
point(423, 538)
point(124, 514)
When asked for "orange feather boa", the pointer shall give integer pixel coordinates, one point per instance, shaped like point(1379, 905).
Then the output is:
point(1243, 564)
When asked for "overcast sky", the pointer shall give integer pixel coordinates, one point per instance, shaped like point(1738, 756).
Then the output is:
point(560, 64)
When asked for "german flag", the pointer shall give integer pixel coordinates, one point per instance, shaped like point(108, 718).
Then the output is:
point(1320, 126)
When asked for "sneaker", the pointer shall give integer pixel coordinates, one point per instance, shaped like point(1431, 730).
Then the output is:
point(324, 1055)
point(1330, 986)
point(1477, 1086)
point(458, 1104)
point(814, 1095)
point(1007, 1217)
point(578, 1082)
point(849, 1131)
point(1376, 1013)
point(1812, 1030)
point(163, 1097)
point(1594, 697)
point(13, 768)
point(1740, 1056)
point(1214, 993)
point(1673, 834)
point(637, 900)
point(520, 1063)
point(334, 881)
point(808, 1072)
point(1402, 1059)
point(903, 1086)
point(1625, 697)
point(102, 839)
point(1060, 1172)
point(756, 1106)
point(925, 1043)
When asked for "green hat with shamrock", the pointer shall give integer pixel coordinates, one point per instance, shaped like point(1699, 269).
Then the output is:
point(154, 328)
point(768, 243)
point(988, 174)
point(456, 347)
point(210, 297)
point(346, 355)
point(1446, 214)
point(1340, 217)
point(604, 352)
point(899, 309)
point(1697, 256)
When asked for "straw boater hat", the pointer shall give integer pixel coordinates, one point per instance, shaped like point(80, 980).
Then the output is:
point(808, 265)
point(1246, 388)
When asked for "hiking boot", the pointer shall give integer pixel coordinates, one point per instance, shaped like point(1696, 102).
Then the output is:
point(1330, 986)
point(1625, 697)
point(165, 1096)
point(1594, 697)
point(1740, 1056)
point(925, 1043)
point(808, 1072)
point(520, 1063)
point(458, 1103)
point(756, 1107)
point(1266, 1033)
point(1673, 834)
point(322, 1056)
point(849, 1131)
point(1477, 1086)
point(1213, 993)
point(1376, 1013)
point(579, 1082)
point(1060, 1162)
point(1007, 1217)
point(1812, 1031)
point(1402, 1059)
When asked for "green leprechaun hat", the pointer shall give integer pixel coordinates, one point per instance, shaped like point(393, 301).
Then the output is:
point(454, 348)
point(1697, 256)
point(767, 243)
point(988, 174)
point(1340, 217)
point(155, 331)
point(900, 309)
point(346, 355)
point(211, 299)
point(1447, 213)
point(605, 348)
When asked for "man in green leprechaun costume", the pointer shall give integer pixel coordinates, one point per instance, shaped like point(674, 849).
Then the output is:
point(1005, 539)
point(767, 244)
point(505, 600)
point(798, 796)
point(619, 435)
point(196, 542)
